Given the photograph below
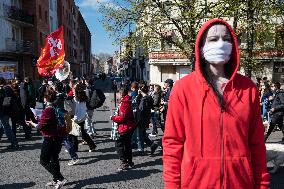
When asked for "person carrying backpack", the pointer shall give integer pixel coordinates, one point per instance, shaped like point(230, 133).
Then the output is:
point(59, 103)
point(52, 142)
point(96, 98)
point(7, 106)
point(143, 121)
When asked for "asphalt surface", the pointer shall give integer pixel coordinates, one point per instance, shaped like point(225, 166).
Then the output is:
point(96, 170)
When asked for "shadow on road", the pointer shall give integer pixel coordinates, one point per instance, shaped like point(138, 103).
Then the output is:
point(149, 163)
point(18, 185)
point(115, 177)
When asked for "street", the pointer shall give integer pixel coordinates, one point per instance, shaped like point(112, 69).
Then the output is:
point(21, 169)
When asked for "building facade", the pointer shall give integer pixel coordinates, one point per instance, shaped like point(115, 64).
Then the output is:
point(17, 47)
point(77, 37)
point(25, 25)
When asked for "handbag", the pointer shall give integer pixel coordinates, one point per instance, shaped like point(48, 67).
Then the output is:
point(76, 129)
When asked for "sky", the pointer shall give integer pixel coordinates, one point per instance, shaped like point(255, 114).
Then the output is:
point(101, 42)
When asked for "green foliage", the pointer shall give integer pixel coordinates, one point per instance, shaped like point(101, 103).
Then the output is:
point(176, 23)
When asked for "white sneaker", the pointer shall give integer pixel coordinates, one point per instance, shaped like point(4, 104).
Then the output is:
point(59, 183)
point(73, 162)
point(52, 183)
point(152, 135)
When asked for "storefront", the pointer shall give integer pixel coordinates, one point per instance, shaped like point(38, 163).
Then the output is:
point(8, 69)
point(165, 65)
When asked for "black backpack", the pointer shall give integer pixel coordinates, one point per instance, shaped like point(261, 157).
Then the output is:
point(8, 102)
point(96, 99)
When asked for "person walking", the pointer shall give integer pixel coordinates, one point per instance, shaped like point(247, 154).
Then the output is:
point(143, 121)
point(81, 114)
point(126, 127)
point(155, 114)
point(90, 90)
point(52, 142)
point(168, 88)
point(214, 132)
point(265, 102)
point(6, 93)
point(41, 91)
point(19, 118)
point(277, 110)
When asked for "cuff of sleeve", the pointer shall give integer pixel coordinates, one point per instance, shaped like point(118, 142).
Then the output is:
point(171, 185)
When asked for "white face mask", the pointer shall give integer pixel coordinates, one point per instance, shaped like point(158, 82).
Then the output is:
point(217, 52)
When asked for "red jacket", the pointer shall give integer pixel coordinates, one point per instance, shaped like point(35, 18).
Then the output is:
point(206, 147)
point(125, 117)
point(48, 124)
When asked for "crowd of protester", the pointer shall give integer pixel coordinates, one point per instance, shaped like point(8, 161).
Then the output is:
point(272, 105)
point(141, 107)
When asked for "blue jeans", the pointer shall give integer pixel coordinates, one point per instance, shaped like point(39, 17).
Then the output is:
point(70, 148)
point(264, 113)
point(142, 137)
point(4, 122)
point(156, 120)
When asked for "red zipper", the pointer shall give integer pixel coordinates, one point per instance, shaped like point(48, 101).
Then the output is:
point(222, 150)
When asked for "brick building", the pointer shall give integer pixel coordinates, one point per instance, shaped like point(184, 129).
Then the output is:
point(25, 25)
point(77, 37)
point(17, 47)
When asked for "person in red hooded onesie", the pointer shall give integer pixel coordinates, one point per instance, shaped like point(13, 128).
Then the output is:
point(214, 136)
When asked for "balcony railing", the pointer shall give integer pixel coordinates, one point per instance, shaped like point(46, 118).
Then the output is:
point(19, 46)
point(17, 14)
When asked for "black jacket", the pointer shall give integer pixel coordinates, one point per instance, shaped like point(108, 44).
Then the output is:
point(157, 96)
point(144, 111)
point(6, 91)
point(278, 102)
point(60, 98)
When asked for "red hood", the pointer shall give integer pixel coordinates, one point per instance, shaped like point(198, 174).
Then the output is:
point(235, 58)
point(206, 146)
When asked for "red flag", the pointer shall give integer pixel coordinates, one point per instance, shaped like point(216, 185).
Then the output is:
point(52, 55)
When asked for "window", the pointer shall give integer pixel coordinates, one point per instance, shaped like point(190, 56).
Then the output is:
point(167, 72)
point(278, 72)
point(278, 67)
point(41, 39)
point(15, 3)
point(75, 54)
point(51, 5)
point(166, 44)
point(74, 40)
point(279, 39)
point(40, 14)
point(16, 33)
point(45, 16)
point(51, 24)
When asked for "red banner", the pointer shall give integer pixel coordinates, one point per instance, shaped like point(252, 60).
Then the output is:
point(52, 55)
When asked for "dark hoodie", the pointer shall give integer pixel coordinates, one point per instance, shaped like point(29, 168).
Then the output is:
point(278, 103)
point(205, 146)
